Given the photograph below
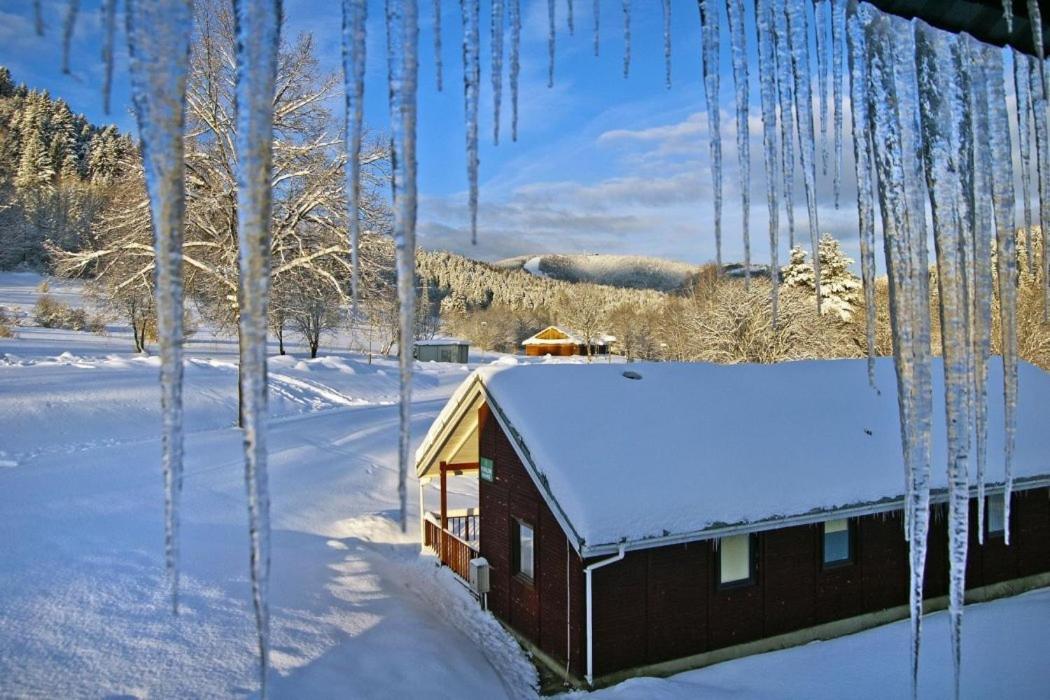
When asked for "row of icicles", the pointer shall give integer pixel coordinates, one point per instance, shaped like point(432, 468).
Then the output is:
point(930, 123)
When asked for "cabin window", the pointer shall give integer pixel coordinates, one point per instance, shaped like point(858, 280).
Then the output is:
point(996, 516)
point(526, 548)
point(735, 561)
point(838, 542)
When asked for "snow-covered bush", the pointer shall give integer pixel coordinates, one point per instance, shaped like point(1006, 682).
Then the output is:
point(6, 324)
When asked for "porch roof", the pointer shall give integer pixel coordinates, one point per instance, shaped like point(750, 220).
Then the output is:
point(691, 451)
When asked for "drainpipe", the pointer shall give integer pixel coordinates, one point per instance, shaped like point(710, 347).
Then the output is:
point(590, 614)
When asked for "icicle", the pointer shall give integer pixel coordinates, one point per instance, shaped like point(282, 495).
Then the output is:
point(38, 17)
point(626, 37)
point(709, 29)
point(109, 28)
point(942, 110)
point(597, 18)
point(799, 45)
point(838, 49)
point(402, 22)
point(821, 30)
point(437, 46)
point(550, 43)
point(571, 20)
point(738, 43)
point(515, 64)
point(1008, 15)
point(1006, 257)
point(355, 22)
point(1035, 18)
point(667, 42)
point(786, 98)
point(862, 156)
point(69, 23)
point(892, 107)
point(497, 66)
point(1023, 94)
point(471, 85)
point(768, 95)
point(1042, 119)
point(158, 34)
point(258, 38)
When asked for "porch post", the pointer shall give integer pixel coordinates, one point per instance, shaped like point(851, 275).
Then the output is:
point(444, 509)
point(422, 516)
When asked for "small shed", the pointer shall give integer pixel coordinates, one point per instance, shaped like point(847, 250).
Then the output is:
point(441, 350)
point(558, 340)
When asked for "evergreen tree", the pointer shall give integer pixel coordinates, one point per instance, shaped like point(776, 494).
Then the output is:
point(840, 288)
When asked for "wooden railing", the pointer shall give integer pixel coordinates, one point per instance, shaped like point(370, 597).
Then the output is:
point(453, 551)
point(465, 527)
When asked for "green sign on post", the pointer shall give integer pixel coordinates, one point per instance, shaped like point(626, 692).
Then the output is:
point(486, 468)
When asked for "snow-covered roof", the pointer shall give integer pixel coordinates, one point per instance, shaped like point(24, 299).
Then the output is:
point(442, 341)
point(571, 336)
point(692, 450)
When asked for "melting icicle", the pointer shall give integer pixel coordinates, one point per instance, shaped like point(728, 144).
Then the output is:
point(437, 46)
point(892, 107)
point(1042, 117)
point(799, 49)
point(109, 28)
point(38, 17)
point(571, 20)
point(258, 38)
point(786, 98)
point(738, 43)
point(1042, 161)
point(1008, 15)
point(1006, 258)
point(862, 156)
point(515, 64)
point(355, 22)
point(158, 34)
point(709, 29)
point(838, 49)
point(471, 85)
point(667, 42)
point(942, 110)
point(497, 66)
point(550, 43)
point(820, 27)
point(597, 18)
point(402, 22)
point(768, 97)
point(626, 37)
point(69, 23)
point(1024, 145)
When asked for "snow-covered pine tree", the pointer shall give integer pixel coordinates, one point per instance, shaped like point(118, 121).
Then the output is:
point(840, 288)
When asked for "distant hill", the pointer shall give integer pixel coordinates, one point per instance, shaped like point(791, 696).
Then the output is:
point(629, 271)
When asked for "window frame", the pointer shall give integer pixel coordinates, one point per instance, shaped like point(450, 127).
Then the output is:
point(850, 545)
point(988, 501)
point(752, 564)
point(517, 551)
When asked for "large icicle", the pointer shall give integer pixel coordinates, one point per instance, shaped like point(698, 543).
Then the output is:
point(667, 42)
point(159, 34)
point(768, 97)
point(891, 103)
point(471, 85)
point(355, 16)
point(838, 50)
point(1023, 94)
point(38, 17)
point(570, 18)
point(1042, 118)
point(738, 44)
point(709, 30)
point(942, 109)
point(862, 156)
point(69, 23)
point(799, 46)
point(258, 38)
point(1008, 15)
point(402, 23)
point(515, 64)
point(550, 43)
point(438, 65)
point(109, 29)
point(820, 27)
point(786, 99)
point(597, 21)
point(626, 37)
point(496, 48)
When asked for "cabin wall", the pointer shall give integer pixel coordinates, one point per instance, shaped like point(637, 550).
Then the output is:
point(548, 611)
point(664, 603)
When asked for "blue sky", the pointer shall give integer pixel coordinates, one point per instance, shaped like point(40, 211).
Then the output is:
point(602, 164)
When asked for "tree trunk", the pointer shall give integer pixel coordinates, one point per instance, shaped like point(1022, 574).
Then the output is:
point(280, 339)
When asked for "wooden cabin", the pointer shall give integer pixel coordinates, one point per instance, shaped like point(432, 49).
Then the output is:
point(694, 513)
point(558, 341)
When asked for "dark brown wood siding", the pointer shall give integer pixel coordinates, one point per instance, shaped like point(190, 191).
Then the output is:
point(548, 610)
point(663, 603)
